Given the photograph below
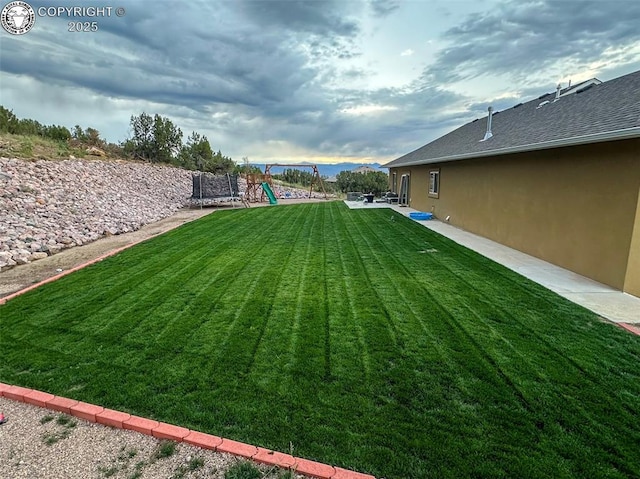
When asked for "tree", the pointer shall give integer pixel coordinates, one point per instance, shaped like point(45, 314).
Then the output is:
point(374, 182)
point(346, 181)
point(78, 134)
point(196, 153)
point(8, 121)
point(154, 139)
point(57, 132)
point(246, 167)
point(167, 139)
point(93, 138)
point(140, 145)
point(220, 164)
point(296, 177)
point(30, 127)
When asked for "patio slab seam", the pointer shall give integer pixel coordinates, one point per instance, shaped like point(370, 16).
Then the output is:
point(160, 430)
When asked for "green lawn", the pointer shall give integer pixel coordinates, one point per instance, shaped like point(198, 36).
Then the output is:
point(359, 337)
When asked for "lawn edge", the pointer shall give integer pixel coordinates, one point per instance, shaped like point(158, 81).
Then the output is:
point(121, 420)
point(56, 277)
point(632, 328)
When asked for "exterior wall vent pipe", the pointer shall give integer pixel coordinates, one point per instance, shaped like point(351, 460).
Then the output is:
point(558, 88)
point(488, 134)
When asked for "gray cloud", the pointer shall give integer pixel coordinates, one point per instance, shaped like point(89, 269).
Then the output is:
point(319, 18)
point(382, 8)
point(523, 37)
point(250, 73)
point(163, 61)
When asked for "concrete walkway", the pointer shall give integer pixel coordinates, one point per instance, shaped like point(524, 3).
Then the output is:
point(603, 300)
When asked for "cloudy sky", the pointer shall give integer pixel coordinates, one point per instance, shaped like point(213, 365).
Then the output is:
point(322, 81)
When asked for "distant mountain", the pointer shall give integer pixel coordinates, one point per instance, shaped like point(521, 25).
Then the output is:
point(325, 169)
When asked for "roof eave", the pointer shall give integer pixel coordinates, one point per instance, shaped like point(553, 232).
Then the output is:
point(574, 141)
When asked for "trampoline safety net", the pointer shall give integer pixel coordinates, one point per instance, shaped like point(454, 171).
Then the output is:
point(215, 186)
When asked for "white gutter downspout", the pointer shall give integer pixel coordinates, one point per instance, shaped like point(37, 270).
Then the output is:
point(488, 134)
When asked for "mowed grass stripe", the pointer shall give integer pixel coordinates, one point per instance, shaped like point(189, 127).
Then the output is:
point(353, 278)
point(310, 355)
point(126, 270)
point(563, 369)
point(276, 270)
point(246, 327)
point(518, 365)
point(328, 329)
point(454, 339)
point(350, 356)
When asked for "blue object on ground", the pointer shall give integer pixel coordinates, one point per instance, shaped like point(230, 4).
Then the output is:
point(419, 215)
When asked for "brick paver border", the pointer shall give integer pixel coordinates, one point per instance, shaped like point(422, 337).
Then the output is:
point(121, 420)
point(632, 328)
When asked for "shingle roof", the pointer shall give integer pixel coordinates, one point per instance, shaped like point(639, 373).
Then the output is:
point(363, 169)
point(610, 110)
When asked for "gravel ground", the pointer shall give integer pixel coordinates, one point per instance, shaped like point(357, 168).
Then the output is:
point(43, 444)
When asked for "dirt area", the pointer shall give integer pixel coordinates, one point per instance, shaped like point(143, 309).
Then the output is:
point(19, 277)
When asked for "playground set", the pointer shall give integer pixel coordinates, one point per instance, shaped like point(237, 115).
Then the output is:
point(209, 189)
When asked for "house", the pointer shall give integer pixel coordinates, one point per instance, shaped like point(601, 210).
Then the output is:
point(557, 177)
point(364, 169)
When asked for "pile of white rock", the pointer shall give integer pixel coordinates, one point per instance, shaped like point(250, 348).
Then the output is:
point(47, 206)
point(296, 193)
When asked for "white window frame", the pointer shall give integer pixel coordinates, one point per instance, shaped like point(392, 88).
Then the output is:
point(434, 183)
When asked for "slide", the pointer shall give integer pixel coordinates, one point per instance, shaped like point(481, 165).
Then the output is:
point(269, 192)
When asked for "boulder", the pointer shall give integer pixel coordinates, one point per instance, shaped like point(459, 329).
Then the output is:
point(92, 150)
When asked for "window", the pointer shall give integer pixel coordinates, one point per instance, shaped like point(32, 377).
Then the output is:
point(434, 183)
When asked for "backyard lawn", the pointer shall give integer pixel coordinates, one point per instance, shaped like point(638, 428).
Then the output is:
point(359, 338)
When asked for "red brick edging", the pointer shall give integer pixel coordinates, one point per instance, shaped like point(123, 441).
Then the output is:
point(121, 420)
point(635, 329)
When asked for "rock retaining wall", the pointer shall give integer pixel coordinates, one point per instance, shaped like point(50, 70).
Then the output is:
point(47, 206)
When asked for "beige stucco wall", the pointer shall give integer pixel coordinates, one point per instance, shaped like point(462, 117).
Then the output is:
point(574, 207)
point(632, 278)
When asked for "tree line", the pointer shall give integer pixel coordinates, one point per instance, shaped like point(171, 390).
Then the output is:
point(10, 123)
point(295, 177)
point(157, 140)
point(153, 138)
point(376, 182)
